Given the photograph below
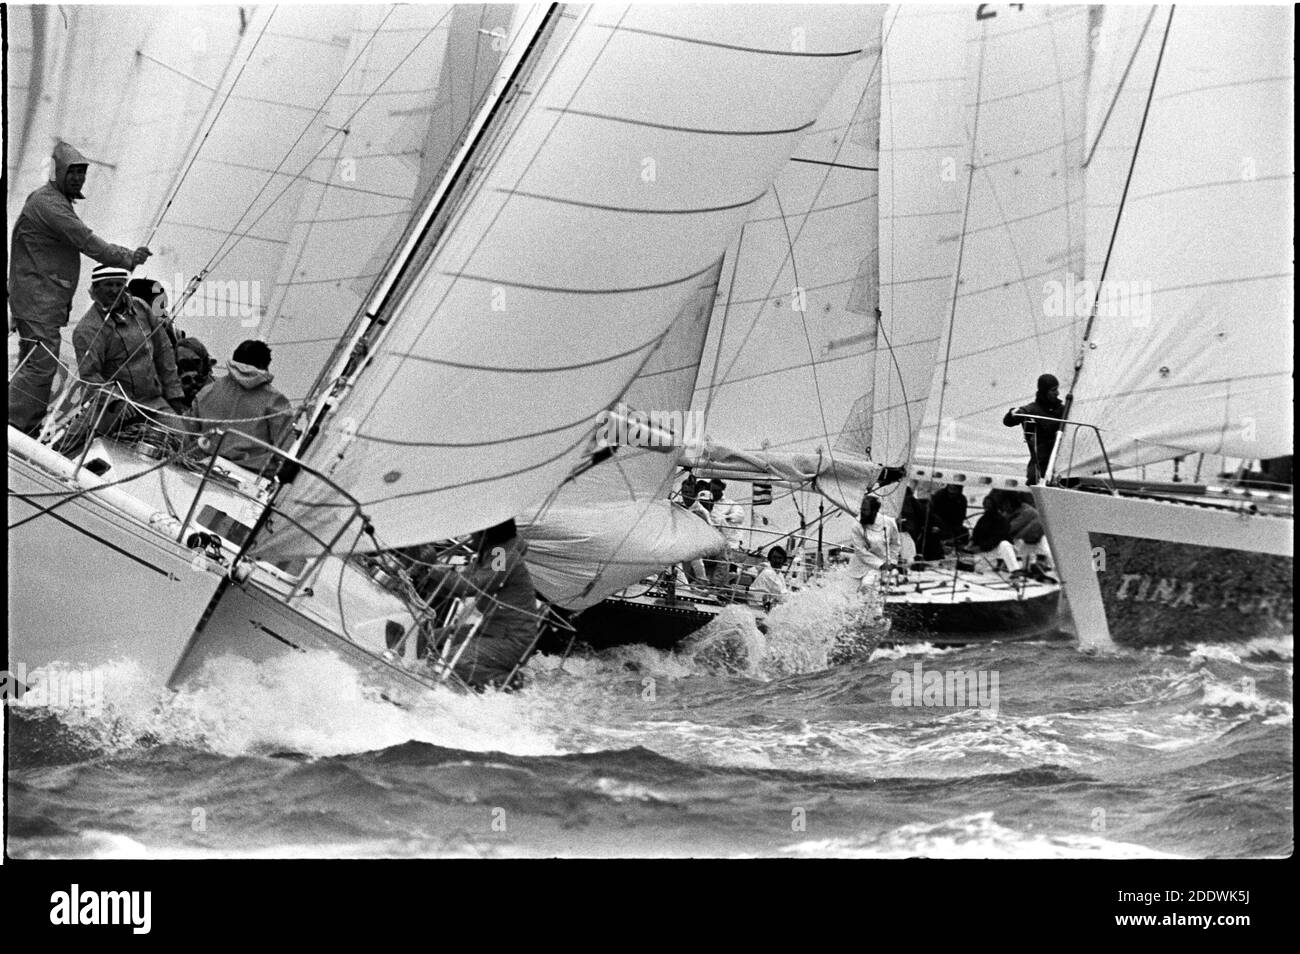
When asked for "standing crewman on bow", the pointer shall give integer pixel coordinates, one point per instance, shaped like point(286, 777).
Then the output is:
point(1039, 435)
point(44, 268)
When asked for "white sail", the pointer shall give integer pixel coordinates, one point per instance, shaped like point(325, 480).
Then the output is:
point(1192, 347)
point(573, 251)
point(791, 346)
point(922, 149)
point(420, 72)
point(1022, 232)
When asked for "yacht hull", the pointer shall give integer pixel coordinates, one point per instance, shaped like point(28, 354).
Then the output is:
point(957, 622)
point(89, 586)
point(1145, 572)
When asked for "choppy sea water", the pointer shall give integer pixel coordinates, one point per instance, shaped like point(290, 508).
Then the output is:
point(635, 752)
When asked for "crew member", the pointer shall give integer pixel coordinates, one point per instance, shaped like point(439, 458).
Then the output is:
point(121, 347)
point(990, 538)
point(44, 268)
point(769, 586)
point(1040, 435)
point(244, 403)
point(497, 580)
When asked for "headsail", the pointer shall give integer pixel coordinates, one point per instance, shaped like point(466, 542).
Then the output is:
point(1192, 346)
point(570, 256)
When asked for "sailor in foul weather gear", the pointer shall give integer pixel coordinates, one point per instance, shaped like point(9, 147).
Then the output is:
point(1039, 435)
point(244, 403)
point(120, 346)
point(498, 585)
point(44, 268)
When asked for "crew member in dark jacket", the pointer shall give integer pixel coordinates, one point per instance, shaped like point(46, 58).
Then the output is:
point(497, 580)
point(949, 508)
point(1039, 435)
point(991, 536)
point(44, 268)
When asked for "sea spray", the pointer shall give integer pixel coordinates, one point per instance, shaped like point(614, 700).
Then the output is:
point(731, 643)
point(311, 703)
point(828, 622)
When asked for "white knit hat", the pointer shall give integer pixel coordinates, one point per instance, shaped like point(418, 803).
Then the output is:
point(107, 273)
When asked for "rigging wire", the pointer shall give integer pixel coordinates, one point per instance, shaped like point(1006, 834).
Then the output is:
point(1119, 213)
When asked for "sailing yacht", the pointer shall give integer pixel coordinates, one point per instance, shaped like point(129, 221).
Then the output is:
point(569, 225)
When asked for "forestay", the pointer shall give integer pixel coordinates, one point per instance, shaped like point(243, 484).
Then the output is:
point(646, 135)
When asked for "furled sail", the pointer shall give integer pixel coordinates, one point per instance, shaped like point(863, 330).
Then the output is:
point(922, 149)
point(645, 137)
point(841, 478)
point(1021, 240)
point(1192, 346)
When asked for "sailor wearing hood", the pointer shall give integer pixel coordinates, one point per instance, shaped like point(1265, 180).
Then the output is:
point(1039, 435)
point(44, 268)
point(243, 402)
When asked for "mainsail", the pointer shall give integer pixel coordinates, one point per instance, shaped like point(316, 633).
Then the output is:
point(1021, 240)
point(568, 258)
point(1191, 349)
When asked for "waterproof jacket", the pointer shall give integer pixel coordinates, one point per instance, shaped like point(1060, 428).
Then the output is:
point(1039, 435)
point(243, 402)
point(129, 347)
point(990, 530)
point(1025, 524)
point(48, 242)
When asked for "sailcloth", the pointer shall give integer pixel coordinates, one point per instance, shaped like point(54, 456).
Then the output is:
point(790, 353)
point(1192, 347)
point(1021, 241)
point(922, 151)
point(646, 136)
point(612, 525)
point(420, 71)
